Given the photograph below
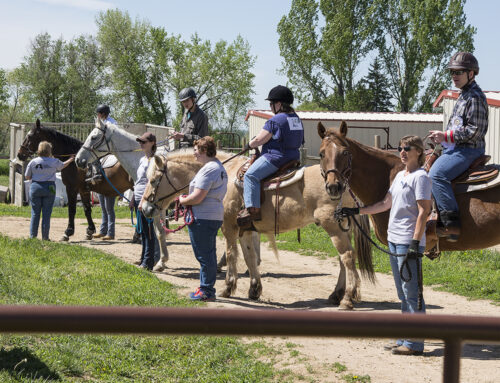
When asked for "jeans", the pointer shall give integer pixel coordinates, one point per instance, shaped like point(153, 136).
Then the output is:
point(407, 291)
point(447, 167)
point(108, 215)
point(203, 234)
point(259, 170)
point(42, 196)
point(150, 253)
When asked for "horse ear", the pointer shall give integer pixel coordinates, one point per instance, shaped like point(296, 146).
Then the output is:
point(343, 128)
point(321, 130)
point(158, 162)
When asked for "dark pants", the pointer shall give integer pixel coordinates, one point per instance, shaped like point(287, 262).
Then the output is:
point(203, 234)
point(150, 245)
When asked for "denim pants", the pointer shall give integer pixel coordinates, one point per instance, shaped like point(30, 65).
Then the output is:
point(42, 196)
point(407, 291)
point(447, 167)
point(150, 253)
point(107, 215)
point(203, 234)
point(259, 170)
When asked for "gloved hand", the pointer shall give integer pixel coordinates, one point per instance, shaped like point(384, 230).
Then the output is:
point(414, 247)
point(247, 147)
point(349, 211)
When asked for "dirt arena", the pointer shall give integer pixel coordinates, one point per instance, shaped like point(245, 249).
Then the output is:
point(300, 282)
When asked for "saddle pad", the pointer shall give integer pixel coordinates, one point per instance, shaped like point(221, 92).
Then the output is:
point(108, 161)
point(271, 185)
point(461, 188)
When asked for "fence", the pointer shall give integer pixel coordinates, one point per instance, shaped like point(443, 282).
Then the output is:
point(133, 320)
point(77, 130)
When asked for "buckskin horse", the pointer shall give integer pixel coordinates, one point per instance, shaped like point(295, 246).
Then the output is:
point(300, 203)
point(369, 172)
point(73, 178)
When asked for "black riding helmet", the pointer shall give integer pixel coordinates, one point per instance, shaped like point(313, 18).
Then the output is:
point(464, 60)
point(103, 108)
point(186, 93)
point(281, 93)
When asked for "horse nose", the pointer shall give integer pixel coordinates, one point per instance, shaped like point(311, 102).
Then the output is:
point(148, 209)
point(81, 163)
point(333, 189)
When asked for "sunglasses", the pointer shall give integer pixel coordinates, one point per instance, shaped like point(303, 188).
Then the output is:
point(406, 148)
point(456, 72)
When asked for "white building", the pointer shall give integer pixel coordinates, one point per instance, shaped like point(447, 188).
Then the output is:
point(363, 126)
point(447, 100)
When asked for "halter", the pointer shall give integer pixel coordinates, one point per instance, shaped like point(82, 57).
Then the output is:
point(93, 148)
point(164, 172)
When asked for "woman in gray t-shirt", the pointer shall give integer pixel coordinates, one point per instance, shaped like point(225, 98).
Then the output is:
point(206, 193)
point(409, 199)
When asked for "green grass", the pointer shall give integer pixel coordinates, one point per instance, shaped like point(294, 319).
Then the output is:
point(60, 212)
point(4, 172)
point(474, 274)
point(34, 272)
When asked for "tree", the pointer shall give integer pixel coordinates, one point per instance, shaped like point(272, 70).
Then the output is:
point(378, 87)
point(321, 63)
point(4, 92)
point(415, 39)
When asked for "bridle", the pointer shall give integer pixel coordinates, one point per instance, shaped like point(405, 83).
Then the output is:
point(156, 185)
point(93, 148)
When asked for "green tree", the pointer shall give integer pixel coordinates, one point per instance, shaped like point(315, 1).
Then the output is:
point(415, 39)
point(378, 87)
point(321, 62)
point(4, 92)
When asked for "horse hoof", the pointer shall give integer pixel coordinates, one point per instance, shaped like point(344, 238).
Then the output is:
point(226, 293)
point(347, 306)
point(255, 291)
point(334, 299)
point(64, 238)
point(88, 237)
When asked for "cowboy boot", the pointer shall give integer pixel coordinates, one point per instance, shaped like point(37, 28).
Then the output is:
point(247, 216)
point(450, 228)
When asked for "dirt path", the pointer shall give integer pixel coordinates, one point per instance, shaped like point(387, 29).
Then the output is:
point(300, 282)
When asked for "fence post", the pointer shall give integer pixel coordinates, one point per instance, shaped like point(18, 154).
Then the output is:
point(377, 141)
point(219, 145)
point(303, 156)
point(452, 353)
point(244, 143)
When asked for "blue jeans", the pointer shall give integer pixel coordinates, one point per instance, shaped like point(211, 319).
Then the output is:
point(203, 234)
point(407, 291)
point(150, 253)
point(259, 170)
point(42, 196)
point(447, 167)
point(107, 215)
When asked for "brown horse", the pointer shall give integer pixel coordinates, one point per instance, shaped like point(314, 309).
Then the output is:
point(300, 204)
point(370, 171)
point(72, 177)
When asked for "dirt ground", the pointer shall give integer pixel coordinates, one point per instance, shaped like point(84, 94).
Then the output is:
point(304, 283)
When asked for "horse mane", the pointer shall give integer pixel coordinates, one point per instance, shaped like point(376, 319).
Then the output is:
point(71, 144)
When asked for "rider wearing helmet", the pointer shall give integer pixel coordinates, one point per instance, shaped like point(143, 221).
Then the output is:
point(463, 141)
point(194, 124)
point(281, 138)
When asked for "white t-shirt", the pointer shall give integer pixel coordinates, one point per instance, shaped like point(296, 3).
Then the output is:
point(405, 192)
point(43, 169)
point(142, 179)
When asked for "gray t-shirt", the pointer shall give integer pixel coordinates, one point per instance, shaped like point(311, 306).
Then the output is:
point(212, 177)
point(43, 169)
point(142, 179)
point(405, 192)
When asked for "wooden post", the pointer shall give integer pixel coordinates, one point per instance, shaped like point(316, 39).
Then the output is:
point(303, 156)
point(219, 145)
point(377, 141)
point(244, 141)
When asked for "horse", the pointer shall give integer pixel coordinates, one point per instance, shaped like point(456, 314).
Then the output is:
point(108, 138)
point(73, 178)
point(369, 171)
point(300, 204)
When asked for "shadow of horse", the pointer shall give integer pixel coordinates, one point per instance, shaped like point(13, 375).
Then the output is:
point(21, 364)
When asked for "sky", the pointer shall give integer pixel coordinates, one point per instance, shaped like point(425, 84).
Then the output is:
point(214, 20)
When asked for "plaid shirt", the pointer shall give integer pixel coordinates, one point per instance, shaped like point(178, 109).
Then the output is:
point(468, 123)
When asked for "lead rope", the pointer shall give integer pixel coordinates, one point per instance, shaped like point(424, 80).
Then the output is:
point(180, 211)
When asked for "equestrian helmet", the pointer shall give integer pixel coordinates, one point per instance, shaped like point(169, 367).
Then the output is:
point(186, 93)
point(464, 60)
point(281, 93)
point(103, 108)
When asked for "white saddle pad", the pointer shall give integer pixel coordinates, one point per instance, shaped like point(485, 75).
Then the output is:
point(108, 161)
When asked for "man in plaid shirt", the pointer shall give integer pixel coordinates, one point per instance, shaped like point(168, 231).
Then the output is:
point(463, 141)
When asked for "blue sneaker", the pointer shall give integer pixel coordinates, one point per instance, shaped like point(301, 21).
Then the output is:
point(200, 295)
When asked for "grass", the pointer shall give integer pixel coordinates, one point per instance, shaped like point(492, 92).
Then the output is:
point(474, 274)
point(61, 212)
point(4, 172)
point(34, 272)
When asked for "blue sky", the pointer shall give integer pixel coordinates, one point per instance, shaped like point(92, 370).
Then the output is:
point(214, 20)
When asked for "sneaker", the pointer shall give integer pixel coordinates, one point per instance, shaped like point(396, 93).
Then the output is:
point(390, 346)
point(200, 295)
point(403, 350)
point(108, 238)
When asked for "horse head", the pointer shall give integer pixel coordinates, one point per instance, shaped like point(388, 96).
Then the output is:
point(335, 159)
point(95, 146)
point(30, 144)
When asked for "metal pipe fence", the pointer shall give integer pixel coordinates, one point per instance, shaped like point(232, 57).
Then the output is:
point(454, 330)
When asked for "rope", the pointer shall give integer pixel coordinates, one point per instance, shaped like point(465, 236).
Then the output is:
point(180, 211)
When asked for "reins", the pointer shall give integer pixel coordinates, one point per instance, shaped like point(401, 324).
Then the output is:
point(180, 211)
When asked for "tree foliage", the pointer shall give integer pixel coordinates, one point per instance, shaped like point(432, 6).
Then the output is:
point(415, 39)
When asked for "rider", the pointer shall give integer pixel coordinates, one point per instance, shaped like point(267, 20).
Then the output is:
point(281, 137)
point(107, 203)
point(463, 141)
point(194, 124)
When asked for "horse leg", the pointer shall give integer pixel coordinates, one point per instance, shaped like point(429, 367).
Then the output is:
point(231, 235)
point(252, 259)
point(162, 238)
point(348, 284)
point(87, 209)
point(70, 229)
point(222, 262)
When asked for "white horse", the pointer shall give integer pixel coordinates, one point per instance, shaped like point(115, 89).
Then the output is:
point(109, 138)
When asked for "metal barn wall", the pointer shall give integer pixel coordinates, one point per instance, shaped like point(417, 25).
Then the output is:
point(492, 136)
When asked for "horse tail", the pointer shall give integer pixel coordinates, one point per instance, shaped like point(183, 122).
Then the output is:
point(272, 246)
point(364, 249)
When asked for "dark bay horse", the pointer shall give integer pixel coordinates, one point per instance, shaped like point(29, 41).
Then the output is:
point(369, 172)
point(73, 177)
